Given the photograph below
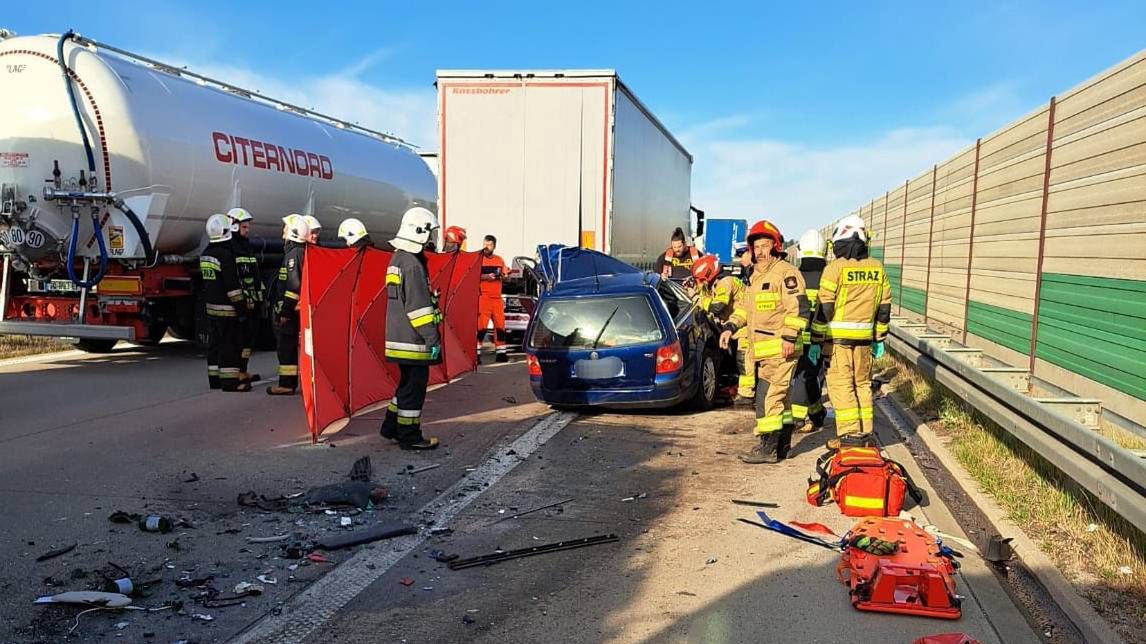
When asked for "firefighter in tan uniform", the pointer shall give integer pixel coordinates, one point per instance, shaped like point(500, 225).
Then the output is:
point(774, 309)
point(850, 324)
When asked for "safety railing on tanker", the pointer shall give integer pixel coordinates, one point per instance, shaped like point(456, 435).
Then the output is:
point(1110, 472)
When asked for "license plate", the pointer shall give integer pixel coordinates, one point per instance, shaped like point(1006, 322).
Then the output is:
point(602, 369)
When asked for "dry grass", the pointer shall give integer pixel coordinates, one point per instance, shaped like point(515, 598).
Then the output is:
point(1093, 547)
point(12, 346)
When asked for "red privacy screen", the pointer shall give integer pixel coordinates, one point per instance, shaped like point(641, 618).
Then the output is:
point(342, 368)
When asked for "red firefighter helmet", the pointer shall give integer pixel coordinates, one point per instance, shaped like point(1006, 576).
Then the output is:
point(455, 235)
point(705, 269)
point(765, 228)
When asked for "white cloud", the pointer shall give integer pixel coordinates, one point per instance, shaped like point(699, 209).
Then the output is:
point(408, 113)
point(800, 186)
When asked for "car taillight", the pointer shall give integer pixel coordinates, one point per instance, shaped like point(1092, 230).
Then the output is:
point(669, 358)
point(534, 366)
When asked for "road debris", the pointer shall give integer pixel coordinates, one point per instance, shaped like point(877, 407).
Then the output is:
point(359, 494)
point(685, 593)
point(366, 535)
point(317, 557)
point(276, 538)
point(88, 598)
point(411, 470)
point(267, 579)
point(468, 619)
point(247, 588)
point(755, 504)
point(253, 499)
point(346, 522)
point(192, 478)
point(361, 470)
point(629, 499)
point(52, 554)
point(122, 586)
point(711, 560)
point(155, 523)
point(203, 617)
point(999, 549)
point(406, 581)
point(538, 509)
point(440, 555)
point(119, 516)
point(500, 556)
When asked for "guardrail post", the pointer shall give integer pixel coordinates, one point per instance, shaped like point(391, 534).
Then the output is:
point(971, 240)
point(1042, 234)
point(930, 238)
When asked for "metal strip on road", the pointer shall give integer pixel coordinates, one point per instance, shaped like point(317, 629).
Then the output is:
point(306, 612)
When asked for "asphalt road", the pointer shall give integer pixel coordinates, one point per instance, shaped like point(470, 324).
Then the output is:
point(81, 436)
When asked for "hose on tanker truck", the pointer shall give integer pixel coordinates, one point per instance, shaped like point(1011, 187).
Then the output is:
point(71, 263)
point(72, 97)
point(144, 237)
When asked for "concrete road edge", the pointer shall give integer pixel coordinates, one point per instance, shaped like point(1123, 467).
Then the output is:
point(1092, 626)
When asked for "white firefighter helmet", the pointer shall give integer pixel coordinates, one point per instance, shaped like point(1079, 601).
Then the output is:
point(848, 226)
point(811, 244)
point(238, 216)
point(296, 228)
point(351, 230)
point(419, 227)
point(218, 228)
point(312, 225)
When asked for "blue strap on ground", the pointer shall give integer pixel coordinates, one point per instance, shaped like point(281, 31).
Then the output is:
point(789, 531)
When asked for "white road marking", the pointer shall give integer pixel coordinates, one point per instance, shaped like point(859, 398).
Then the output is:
point(306, 612)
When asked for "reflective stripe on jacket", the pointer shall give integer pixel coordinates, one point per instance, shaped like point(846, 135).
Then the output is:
point(855, 302)
point(412, 314)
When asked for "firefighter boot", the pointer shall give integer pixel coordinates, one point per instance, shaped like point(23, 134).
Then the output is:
point(866, 439)
point(784, 444)
point(764, 451)
point(418, 443)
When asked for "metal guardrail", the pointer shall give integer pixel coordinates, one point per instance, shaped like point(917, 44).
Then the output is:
point(1113, 474)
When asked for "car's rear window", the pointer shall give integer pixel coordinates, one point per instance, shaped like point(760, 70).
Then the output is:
point(590, 323)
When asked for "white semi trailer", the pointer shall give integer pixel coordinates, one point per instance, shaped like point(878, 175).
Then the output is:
point(539, 157)
point(110, 164)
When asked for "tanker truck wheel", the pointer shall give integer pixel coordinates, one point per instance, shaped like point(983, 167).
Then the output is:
point(93, 345)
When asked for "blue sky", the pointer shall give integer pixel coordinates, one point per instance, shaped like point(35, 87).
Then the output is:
point(797, 111)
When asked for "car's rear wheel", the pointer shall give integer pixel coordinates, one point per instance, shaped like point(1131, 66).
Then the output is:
point(705, 396)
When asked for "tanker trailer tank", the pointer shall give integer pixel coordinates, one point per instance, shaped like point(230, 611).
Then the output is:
point(109, 161)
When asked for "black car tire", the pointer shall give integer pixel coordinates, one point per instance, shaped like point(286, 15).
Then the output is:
point(707, 382)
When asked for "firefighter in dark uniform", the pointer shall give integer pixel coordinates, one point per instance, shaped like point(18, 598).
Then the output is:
point(806, 392)
point(287, 290)
point(254, 291)
point(226, 307)
point(413, 341)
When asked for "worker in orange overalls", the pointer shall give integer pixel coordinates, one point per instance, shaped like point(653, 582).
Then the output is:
point(490, 304)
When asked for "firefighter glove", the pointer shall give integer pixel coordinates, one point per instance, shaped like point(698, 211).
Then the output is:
point(877, 350)
point(814, 354)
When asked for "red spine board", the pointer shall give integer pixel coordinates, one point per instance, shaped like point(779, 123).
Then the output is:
point(915, 580)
